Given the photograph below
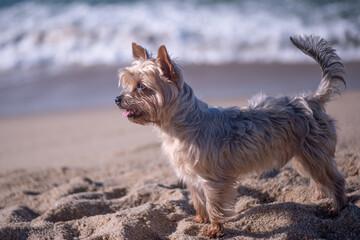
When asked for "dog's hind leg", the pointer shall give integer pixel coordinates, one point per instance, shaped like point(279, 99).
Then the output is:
point(319, 191)
point(318, 163)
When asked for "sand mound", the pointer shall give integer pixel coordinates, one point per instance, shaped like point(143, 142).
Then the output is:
point(66, 203)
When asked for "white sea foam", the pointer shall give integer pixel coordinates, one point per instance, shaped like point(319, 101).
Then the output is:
point(36, 34)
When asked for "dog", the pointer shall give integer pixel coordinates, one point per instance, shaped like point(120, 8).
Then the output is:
point(210, 147)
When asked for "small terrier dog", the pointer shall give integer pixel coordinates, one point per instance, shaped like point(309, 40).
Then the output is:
point(210, 147)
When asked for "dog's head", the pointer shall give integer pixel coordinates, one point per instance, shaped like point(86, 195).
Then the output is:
point(150, 87)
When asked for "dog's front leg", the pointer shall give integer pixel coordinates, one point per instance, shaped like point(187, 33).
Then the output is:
point(219, 200)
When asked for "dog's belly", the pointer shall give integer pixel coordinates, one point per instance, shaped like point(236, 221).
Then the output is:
point(259, 160)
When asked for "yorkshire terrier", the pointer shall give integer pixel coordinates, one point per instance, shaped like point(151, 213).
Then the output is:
point(210, 147)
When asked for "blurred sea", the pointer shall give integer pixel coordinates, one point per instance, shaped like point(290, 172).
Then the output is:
point(53, 33)
point(47, 46)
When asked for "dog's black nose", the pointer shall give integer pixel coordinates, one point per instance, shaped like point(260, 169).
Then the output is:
point(118, 100)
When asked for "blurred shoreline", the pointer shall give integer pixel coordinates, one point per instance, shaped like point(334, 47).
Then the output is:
point(94, 87)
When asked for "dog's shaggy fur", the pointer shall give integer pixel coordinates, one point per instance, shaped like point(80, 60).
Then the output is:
point(210, 147)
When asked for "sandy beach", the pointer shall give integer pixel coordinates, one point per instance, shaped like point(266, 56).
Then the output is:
point(72, 168)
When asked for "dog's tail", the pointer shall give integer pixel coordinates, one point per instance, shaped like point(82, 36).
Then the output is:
point(333, 73)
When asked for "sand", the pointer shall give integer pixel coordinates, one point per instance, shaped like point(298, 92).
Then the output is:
point(87, 173)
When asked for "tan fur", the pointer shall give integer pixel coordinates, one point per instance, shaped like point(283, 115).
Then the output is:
point(211, 147)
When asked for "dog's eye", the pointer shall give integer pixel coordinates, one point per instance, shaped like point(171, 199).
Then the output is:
point(140, 86)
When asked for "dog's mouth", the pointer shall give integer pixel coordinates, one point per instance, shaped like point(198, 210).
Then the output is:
point(131, 113)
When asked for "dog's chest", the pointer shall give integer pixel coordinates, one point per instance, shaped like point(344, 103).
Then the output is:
point(178, 153)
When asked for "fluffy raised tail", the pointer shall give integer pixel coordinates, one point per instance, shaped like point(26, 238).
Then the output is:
point(333, 73)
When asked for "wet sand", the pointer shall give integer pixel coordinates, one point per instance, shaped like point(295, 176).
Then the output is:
point(83, 88)
point(80, 171)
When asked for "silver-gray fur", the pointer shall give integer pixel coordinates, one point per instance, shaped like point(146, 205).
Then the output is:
point(211, 147)
point(333, 72)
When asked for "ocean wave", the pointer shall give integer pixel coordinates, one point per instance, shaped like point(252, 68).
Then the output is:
point(45, 34)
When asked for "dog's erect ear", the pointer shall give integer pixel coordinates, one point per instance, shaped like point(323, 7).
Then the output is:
point(139, 53)
point(163, 60)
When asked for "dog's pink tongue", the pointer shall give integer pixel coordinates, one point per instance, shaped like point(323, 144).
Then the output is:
point(127, 112)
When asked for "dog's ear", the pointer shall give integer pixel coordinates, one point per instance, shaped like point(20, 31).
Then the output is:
point(164, 61)
point(139, 53)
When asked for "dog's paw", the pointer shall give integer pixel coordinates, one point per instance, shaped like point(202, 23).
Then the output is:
point(213, 231)
point(200, 219)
